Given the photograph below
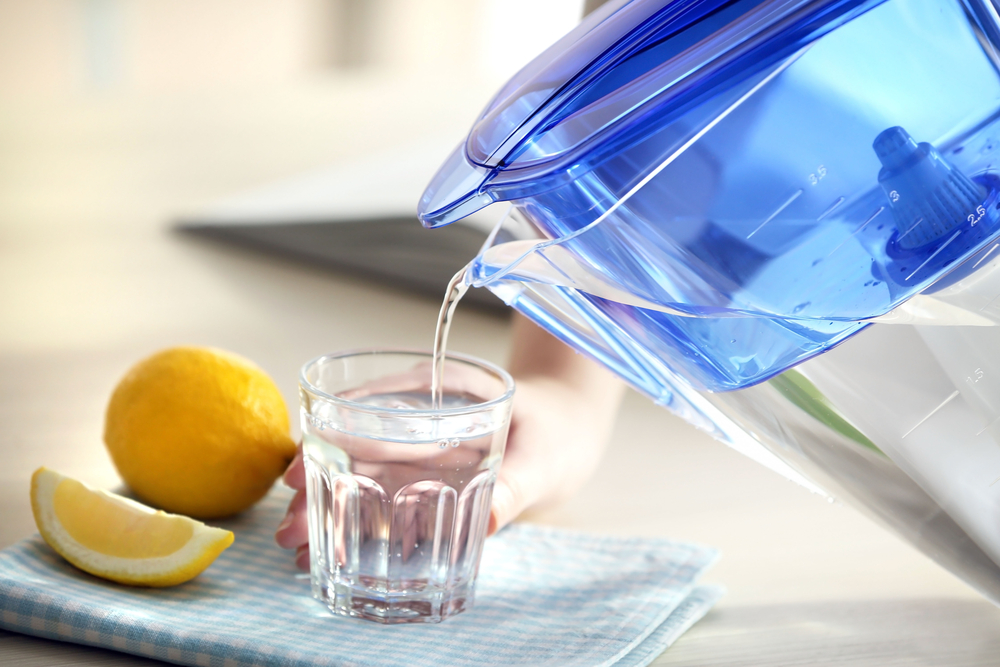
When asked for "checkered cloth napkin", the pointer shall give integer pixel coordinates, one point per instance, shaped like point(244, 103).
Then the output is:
point(545, 597)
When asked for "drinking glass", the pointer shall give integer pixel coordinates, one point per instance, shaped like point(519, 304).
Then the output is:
point(399, 489)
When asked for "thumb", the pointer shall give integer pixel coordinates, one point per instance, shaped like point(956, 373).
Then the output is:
point(502, 509)
point(512, 494)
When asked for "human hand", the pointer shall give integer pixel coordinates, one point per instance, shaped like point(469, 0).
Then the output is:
point(556, 441)
point(564, 408)
point(293, 531)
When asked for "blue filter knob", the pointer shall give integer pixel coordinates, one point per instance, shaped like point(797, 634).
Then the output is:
point(928, 196)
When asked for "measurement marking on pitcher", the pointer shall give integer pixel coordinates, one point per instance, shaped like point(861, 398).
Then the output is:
point(932, 413)
point(831, 209)
point(933, 255)
point(983, 429)
point(858, 230)
point(983, 258)
point(903, 235)
point(781, 208)
point(991, 302)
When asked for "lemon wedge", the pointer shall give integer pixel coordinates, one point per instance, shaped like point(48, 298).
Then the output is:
point(119, 539)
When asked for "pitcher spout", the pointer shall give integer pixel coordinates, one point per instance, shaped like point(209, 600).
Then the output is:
point(455, 191)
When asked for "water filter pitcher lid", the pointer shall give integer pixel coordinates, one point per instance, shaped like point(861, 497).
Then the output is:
point(625, 72)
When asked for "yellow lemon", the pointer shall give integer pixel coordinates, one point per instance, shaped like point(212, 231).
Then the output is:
point(198, 431)
point(119, 539)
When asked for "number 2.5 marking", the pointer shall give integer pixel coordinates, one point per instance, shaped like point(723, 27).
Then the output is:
point(973, 219)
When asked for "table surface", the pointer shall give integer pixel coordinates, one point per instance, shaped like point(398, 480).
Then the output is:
point(93, 279)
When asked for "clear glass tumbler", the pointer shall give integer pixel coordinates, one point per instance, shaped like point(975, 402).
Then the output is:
point(398, 490)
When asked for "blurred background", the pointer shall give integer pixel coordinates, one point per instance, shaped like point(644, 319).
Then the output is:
point(274, 87)
point(53, 48)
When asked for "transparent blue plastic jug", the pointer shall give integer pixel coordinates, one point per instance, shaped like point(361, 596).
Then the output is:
point(779, 219)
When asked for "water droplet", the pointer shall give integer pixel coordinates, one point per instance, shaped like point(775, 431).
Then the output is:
point(455, 442)
point(801, 306)
point(442, 444)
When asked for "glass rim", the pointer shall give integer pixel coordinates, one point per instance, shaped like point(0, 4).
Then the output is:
point(508, 381)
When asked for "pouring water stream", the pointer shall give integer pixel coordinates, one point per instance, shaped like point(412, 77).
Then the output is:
point(457, 287)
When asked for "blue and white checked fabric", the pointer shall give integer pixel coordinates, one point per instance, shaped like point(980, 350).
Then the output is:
point(545, 597)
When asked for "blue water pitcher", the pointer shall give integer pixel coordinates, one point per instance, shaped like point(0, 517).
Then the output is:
point(778, 218)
